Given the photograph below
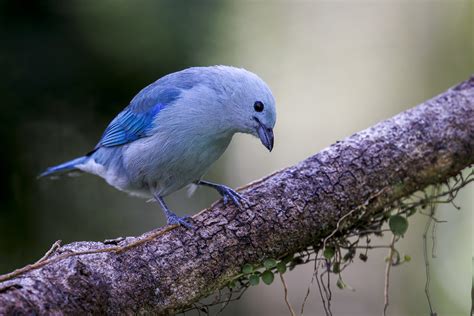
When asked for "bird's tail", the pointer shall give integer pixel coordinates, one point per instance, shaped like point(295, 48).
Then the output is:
point(68, 167)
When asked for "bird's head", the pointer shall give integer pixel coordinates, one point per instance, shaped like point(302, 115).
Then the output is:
point(250, 104)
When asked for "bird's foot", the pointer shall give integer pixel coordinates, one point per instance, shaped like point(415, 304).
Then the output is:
point(171, 217)
point(174, 219)
point(229, 194)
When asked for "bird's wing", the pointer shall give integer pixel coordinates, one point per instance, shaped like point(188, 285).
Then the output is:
point(137, 119)
point(129, 126)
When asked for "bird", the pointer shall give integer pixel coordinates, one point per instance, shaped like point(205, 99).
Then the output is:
point(174, 129)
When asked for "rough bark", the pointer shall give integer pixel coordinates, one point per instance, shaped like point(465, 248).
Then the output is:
point(289, 211)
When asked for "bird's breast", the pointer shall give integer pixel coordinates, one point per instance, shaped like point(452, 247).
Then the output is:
point(166, 162)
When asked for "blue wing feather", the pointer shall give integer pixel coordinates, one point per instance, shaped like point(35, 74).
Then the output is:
point(129, 126)
point(137, 119)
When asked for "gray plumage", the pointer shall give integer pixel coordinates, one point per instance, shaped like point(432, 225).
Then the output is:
point(175, 128)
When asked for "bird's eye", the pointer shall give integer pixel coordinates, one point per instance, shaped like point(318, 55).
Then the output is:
point(258, 106)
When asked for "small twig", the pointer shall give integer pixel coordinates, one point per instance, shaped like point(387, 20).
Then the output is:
point(329, 289)
point(387, 274)
point(367, 247)
point(337, 226)
point(292, 312)
point(326, 289)
point(309, 287)
point(350, 213)
point(326, 312)
point(54, 247)
point(425, 252)
point(224, 304)
point(367, 232)
point(433, 239)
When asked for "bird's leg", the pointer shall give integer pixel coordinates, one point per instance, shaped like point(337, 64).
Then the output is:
point(171, 217)
point(226, 193)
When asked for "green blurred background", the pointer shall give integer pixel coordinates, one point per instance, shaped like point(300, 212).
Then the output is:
point(335, 68)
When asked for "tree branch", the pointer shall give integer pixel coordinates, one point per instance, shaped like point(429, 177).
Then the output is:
point(167, 270)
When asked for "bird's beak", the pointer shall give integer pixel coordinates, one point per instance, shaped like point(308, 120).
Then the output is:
point(265, 134)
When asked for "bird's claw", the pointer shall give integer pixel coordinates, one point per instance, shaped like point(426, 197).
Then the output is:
point(174, 219)
point(227, 193)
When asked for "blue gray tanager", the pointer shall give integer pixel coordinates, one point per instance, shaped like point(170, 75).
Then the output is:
point(174, 129)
